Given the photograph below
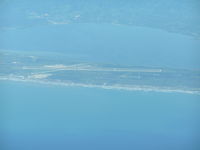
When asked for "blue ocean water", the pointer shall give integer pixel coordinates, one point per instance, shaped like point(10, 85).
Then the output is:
point(153, 33)
point(47, 117)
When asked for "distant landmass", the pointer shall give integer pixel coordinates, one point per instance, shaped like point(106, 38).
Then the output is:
point(180, 16)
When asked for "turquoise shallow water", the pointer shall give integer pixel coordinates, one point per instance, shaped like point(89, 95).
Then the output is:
point(38, 116)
